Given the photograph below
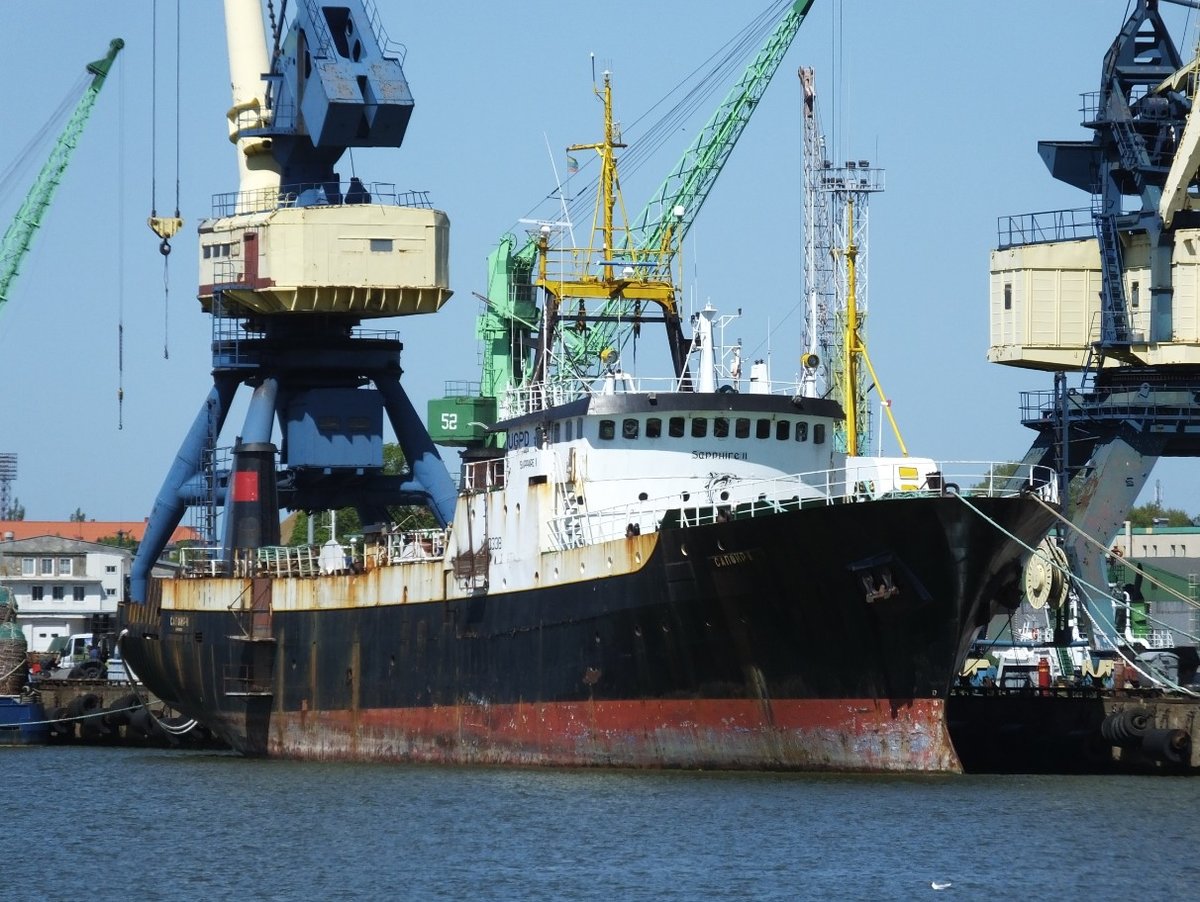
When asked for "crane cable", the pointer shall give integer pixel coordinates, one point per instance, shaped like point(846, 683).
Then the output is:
point(165, 227)
point(121, 252)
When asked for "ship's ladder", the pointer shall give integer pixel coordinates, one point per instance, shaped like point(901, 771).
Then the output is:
point(251, 665)
point(572, 533)
point(1066, 664)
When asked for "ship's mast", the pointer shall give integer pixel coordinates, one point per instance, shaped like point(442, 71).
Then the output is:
point(605, 271)
point(818, 256)
point(835, 278)
point(851, 389)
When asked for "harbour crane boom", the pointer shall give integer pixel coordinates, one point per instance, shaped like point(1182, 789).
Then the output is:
point(658, 232)
point(506, 322)
point(669, 214)
point(19, 234)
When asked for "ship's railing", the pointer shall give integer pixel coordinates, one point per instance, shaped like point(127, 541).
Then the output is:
point(203, 561)
point(1043, 227)
point(287, 560)
point(484, 475)
point(769, 497)
point(529, 398)
point(393, 546)
point(317, 194)
point(404, 546)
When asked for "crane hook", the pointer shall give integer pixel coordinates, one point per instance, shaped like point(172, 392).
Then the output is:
point(165, 228)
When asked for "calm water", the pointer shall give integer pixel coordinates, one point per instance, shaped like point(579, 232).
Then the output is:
point(132, 824)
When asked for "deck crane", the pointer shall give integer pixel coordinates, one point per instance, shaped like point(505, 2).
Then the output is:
point(291, 265)
point(19, 235)
point(648, 249)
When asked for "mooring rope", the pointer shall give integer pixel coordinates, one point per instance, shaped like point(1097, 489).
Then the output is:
point(1100, 545)
point(1100, 628)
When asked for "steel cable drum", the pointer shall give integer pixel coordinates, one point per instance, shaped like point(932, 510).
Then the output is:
point(1044, 582)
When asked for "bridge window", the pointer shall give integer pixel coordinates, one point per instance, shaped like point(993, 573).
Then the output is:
point(654, 428)
point(1008, 295)
point(741, 429)
point(783, 430)
point(675, 427)
point(721, 427)
point(1134, 294)
point(818, 433)
point(608, 429)
point(570, 429)
point(381, 245)
point(801, 431)
point(629, 428)
point(762, 429)
point(699, 427)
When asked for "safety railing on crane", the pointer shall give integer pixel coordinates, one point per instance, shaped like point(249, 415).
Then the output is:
point(317, 194)
point(1045, 226)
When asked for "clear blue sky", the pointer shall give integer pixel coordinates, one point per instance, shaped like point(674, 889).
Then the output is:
point(950, 97)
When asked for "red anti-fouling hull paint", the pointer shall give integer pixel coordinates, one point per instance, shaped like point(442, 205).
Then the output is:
point(848, 734)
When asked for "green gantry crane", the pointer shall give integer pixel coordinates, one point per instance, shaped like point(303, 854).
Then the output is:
point(510, 317)
point(19, 234)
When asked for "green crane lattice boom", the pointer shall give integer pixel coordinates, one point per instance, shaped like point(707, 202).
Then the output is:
point(506, 323)
point(664, 222)
point(19, 234)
